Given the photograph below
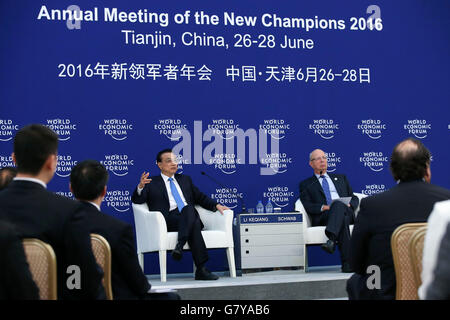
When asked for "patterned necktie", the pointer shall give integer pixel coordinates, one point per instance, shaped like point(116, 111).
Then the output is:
point(326, 189)
point(176, 195)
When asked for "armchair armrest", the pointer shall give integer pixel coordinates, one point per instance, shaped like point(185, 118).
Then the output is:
point(151, 228)
point(216, 221)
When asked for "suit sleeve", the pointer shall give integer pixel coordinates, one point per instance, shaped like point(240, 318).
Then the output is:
point(310, 206)
point(129, 264)
point(202, 199)
point(355, 200)
point(360, 240)
point(79, 253)
point(139, 199)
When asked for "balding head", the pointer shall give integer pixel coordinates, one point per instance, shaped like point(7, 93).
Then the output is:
point(410, 160)
point(318, 161)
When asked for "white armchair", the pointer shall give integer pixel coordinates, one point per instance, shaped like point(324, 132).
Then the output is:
point(316, 235)
point(152, 235)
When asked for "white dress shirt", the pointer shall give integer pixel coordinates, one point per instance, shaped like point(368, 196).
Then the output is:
point(333, 191)
point(42, 183)
point(172, 202)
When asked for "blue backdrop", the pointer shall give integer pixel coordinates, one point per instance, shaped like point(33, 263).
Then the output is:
point(135, 77)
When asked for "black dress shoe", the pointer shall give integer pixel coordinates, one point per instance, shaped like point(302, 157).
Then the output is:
point(346, 268)
point(329, 246)
point(204, 274)
point(177, 253)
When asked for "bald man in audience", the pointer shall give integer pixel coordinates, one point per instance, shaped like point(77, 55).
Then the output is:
point(411, 200)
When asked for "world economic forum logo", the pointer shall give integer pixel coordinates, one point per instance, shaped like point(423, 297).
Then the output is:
point(64, 165)
point(278, 162)
point(6, 161)
point(119, 200)
point(229, 197)
point(333, 160)
point(118, 164)
point(224, 128)
point(66, 194)
point(372, 128)
point(8, 129)
point(118, 129)
point(375, 161)
point(225, 162)
point(371, 189)
point(280, 196)
point(418, 127)
point(62, 127)
point(277, 128)
point(170, 128)
point(325, 128)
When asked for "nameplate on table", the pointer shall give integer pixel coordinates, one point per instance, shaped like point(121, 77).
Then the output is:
point(270, 218)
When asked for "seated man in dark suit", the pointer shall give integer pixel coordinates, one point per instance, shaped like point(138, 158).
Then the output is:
point(88, 181)
point(56, 220)
point(411, 200)
point(6, 176)
point(175, 196)
point(16, 281)
point(317, 194)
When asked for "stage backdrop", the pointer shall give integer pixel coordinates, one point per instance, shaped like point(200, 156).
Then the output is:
point(243, 90)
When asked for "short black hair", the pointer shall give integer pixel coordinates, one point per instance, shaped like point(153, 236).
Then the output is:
point(88, 179)
point(410, 160)
point(158, 156)
point(7, 174)
point(33, 144)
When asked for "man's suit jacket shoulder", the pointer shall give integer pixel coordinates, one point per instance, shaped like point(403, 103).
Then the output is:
point(59, 221)
point(128, 280)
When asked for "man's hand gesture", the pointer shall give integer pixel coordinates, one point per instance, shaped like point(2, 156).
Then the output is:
point(144, 180)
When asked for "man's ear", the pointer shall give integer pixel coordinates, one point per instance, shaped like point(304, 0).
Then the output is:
point(51, 162)
point(428, 174)
point(14, 158)
point(70, 187)
point(104, 191)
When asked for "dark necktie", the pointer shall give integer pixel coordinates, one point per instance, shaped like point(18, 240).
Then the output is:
point(326, 189)
point(176, 195)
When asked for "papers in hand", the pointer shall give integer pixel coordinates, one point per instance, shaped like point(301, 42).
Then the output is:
point(161, 290)
point(344, 200)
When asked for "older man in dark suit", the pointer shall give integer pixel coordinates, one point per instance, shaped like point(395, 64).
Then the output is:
point(88, 181)
point(59, 221)
point(411, 200)
point(175, 196)
point(317, 194)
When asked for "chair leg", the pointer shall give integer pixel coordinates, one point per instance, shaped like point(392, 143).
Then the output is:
point(231, 264)
point(305, 258)
point(141, 260)
point(163, 265)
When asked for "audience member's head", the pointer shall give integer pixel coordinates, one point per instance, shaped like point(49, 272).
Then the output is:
point(410, 160)
point(88, 180)
point(7, 174)
point(35, 151)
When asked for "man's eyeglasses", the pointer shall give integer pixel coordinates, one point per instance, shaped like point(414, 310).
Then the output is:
point(318, 158)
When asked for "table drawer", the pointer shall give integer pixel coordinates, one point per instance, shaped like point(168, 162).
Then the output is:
point(272, 229)
point(272, 251)
point(270, 262)
point(272, 240)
